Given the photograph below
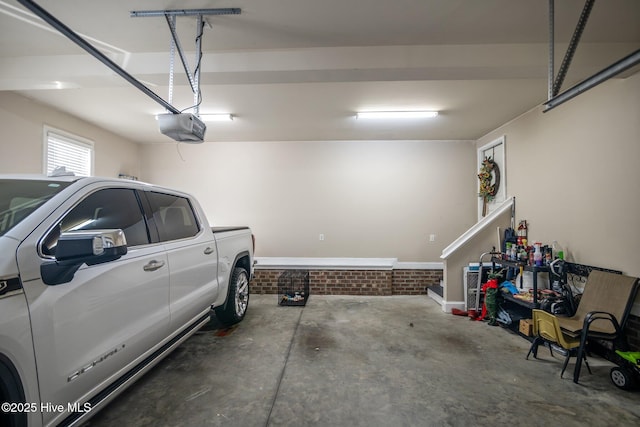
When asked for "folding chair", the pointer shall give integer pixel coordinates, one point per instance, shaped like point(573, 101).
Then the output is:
point(602, 312)
point(546, 329)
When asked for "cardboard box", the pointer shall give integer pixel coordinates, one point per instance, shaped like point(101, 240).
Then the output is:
point(526, 327)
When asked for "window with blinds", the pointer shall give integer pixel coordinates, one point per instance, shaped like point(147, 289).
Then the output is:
point(74, 153)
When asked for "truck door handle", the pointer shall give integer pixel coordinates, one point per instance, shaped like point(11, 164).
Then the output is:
point(153, 265)
point(209, 250)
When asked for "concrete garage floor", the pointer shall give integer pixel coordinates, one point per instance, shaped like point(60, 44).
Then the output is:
point(365, 361)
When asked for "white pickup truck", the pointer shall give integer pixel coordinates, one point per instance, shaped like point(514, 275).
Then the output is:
point(99, 280)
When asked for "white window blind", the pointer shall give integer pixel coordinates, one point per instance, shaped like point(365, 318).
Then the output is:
point(75, 155)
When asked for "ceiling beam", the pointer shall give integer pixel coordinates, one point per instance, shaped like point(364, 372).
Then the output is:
point(88, 47)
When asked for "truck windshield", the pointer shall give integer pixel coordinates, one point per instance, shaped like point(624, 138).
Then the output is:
point(20, 197)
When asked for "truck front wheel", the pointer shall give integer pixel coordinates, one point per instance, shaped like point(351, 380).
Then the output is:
point(237, 303)
point(11, 392)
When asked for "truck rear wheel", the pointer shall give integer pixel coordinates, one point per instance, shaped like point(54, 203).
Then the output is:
point(237, 303)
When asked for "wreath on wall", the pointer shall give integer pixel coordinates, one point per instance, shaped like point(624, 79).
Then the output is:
point(489, 177)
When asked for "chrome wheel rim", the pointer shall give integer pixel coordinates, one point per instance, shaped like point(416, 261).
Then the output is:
point(242, 295)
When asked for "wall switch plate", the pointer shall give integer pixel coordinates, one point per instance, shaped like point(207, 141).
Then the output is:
point(432, 237)
point(321, 237)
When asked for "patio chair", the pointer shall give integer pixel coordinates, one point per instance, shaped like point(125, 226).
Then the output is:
point(602, 312)
point(546, 329)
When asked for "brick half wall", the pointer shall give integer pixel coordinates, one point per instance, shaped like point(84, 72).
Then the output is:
point(414, 282)
point(354, 282)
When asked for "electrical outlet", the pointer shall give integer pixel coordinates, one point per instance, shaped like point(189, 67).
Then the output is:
point(432, 237)
point(321, 237)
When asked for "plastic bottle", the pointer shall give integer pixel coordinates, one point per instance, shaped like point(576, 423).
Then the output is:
point(537, 254)
point(557, 250)
point(522, 255)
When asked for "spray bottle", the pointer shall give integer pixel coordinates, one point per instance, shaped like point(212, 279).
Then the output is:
point(537, 254)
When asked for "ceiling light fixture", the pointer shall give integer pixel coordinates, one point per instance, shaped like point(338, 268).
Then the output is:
point(395, 114)
point(216, 117)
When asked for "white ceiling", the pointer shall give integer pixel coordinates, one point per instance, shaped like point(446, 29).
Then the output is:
point(300, 69)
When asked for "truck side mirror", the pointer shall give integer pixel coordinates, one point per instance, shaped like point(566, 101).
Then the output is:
point(75, 248)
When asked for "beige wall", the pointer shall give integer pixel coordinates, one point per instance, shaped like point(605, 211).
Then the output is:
point(573, 171)
point(368, 198)
point(21, 146)
point(575, 174)
point(484, 241)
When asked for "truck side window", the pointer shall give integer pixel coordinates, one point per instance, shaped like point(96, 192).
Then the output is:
point(174, 216)
point(105, 209)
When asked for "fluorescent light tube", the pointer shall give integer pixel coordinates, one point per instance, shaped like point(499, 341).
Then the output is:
point(216, 117)
point(395, 114)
